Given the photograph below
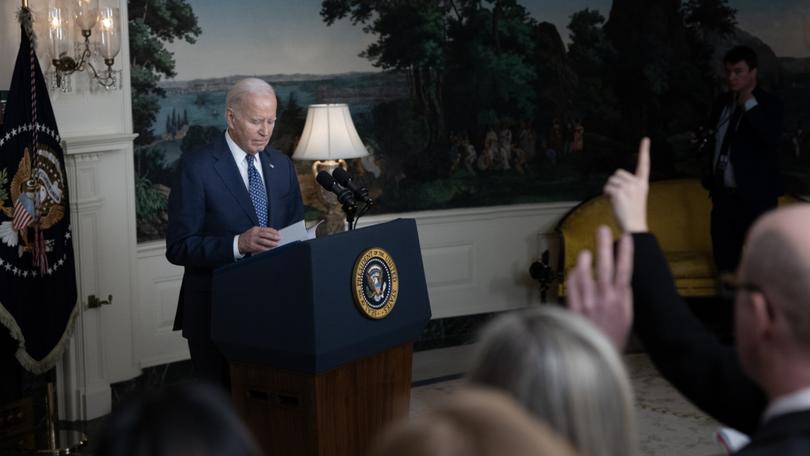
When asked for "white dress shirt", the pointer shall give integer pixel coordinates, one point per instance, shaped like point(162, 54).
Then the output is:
point(722, 127)
point(796, 401)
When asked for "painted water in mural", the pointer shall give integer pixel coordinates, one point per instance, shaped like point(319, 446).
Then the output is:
point(463, 103)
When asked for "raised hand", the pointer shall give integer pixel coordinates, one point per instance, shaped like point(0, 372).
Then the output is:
point(628, 192)
point(608, 300)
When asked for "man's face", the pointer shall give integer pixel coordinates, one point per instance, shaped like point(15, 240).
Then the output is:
point(251, 122)
point(739, 77)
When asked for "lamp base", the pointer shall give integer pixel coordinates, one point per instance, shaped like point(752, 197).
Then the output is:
point(335, 219)
point(333, 223)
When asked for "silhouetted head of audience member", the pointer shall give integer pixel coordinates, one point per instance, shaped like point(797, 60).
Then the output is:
point(772, 304)
point(472, 422)
point(192, 419)
point(566, 372)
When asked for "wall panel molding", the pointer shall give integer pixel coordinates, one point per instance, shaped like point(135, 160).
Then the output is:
point(476, 260)
point(101, 179)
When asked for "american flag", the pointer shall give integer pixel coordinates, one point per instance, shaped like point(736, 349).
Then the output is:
point(22, 214)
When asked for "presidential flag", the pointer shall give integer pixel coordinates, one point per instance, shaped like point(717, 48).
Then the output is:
point(37, 273)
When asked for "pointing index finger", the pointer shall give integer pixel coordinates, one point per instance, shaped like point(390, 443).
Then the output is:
point(643, 166)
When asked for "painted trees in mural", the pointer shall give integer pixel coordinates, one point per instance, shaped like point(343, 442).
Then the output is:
point(152, 23)
point(411, 36)
point(709, 16)
point(483, 73)
point(591, 57)
point(461, 103)
point(471, 120)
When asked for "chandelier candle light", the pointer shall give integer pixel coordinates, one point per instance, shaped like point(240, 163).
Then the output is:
point(68, 56)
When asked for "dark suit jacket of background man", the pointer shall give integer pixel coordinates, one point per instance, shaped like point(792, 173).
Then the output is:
point(703, 369)
point(754, 149)
point(208, 205)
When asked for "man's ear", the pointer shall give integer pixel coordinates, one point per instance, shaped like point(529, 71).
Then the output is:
point(229, 120)
point(763, 315)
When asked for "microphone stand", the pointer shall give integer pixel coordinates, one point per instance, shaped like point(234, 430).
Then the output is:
point(350, 210)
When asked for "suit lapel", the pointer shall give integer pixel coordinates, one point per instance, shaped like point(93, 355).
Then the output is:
point(225, 167)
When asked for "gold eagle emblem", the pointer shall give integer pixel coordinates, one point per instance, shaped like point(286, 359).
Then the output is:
point(41, 191)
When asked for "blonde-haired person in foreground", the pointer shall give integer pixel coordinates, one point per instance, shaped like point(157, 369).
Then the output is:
point(473, 422)
point(565, 371)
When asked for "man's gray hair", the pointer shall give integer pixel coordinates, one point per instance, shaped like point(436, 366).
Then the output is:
point(565, 371)
point(248, 87)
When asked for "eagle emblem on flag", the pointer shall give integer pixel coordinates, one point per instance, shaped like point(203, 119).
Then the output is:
point(36, 201)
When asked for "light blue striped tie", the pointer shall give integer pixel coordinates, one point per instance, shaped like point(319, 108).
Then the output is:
point(258, 193)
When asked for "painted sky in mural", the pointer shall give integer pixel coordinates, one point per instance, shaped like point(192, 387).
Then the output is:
point(292, 38)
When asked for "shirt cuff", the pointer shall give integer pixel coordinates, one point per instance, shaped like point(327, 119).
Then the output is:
point(750, 103)
point(236, 254)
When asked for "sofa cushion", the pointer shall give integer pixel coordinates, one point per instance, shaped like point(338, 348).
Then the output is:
point(678, 211)
point(690, 264)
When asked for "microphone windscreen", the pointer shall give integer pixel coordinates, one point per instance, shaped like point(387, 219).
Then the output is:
point(326, 180)
point(341, 176)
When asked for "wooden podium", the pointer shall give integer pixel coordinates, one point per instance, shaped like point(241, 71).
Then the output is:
point(311, 374)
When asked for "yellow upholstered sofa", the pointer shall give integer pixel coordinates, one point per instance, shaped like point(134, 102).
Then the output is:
point(678, 214)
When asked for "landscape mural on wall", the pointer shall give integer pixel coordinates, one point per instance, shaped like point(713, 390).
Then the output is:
point(463, 103)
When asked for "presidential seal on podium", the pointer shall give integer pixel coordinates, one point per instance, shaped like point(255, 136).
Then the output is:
point(375, 283)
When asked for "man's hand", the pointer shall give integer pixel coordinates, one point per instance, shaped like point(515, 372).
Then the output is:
point(607, 302)
point(258, 239)
point(628, 193)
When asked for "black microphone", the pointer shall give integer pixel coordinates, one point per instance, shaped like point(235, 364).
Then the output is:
point(345, 179)
point(344, 195)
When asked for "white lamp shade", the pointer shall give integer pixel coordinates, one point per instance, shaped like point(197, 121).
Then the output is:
point(329, 134)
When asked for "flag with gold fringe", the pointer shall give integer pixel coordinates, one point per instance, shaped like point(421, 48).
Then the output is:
point(37, 271)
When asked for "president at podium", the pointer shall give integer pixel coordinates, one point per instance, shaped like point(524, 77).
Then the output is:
point(227, 201)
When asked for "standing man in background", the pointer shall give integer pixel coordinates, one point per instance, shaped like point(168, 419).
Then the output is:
point(228, 200)
point(743, 180)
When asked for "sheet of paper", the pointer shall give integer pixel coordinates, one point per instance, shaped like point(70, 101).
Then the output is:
point(311, 230)
point(295, 232)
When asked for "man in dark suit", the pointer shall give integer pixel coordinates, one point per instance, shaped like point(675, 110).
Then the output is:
point(743, 177)
point(228, 200)
point(763, 387)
